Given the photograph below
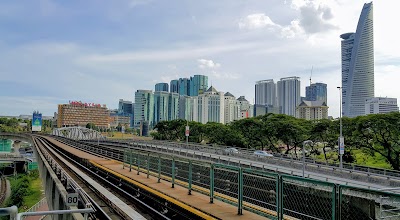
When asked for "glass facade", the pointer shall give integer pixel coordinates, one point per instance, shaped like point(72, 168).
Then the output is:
point(358, 65)
point(198, 85)
point(161, 87)
point(317, 92)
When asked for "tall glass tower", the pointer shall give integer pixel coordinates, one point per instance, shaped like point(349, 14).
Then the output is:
point(198, 85)
point(358, 65)
point(317, 92)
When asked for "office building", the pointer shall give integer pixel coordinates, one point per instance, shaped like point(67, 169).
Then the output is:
point(188, 108)
point(380, 105)
point(245, 108)
point(211, 106)
point(161, 87)
point(122, 119)
point(317, 92)
point(125, 108)
point(265, 92)
point(174, 86)
point(184, 85)
point(312, 110)
point(80, 114)
point(358, 65)
point(144, 108)
point(173, 104)
point(161, 101)
point(198, 85)
point(232, 108)
point(288, 95)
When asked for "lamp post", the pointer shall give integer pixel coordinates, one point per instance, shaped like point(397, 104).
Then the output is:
point(304, 154)
point(341, 139)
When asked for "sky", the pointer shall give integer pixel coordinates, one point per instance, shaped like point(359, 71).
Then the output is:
point(100, 51)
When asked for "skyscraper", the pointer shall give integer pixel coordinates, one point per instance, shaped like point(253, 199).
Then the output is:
point(211, 106)
point(161, 87)
point(317, 92)
point(184, 85)
point(125, 108)
point(198, 85)
point(265, 92)
point(358, 65)
point(160, 106)
point(288, 95)
point(174, 86)
point(143, 108)
point(173, 105)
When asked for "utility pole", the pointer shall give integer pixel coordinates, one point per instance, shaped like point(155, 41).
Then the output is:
point(341, 138)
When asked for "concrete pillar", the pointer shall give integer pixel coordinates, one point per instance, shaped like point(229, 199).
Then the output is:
point(17, 146)
point(56, 203)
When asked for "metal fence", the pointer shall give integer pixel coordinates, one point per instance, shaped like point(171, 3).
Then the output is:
point(268, 194)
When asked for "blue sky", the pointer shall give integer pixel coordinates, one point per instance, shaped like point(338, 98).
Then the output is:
point(100, 51)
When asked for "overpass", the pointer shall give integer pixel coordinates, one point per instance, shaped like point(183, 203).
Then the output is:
point(188, 183)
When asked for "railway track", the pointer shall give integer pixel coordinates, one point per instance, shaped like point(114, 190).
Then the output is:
point(151, 206)
point(104, 206)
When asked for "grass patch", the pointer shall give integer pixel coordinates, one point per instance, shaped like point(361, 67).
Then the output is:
point(35, 194)
point(25, 191)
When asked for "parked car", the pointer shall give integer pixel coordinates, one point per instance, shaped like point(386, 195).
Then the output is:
point(260, 153)
point(231, 150)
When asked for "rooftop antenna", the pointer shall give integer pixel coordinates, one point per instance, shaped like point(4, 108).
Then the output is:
point(312, 67)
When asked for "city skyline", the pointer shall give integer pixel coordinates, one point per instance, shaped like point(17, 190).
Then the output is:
point(105, 52)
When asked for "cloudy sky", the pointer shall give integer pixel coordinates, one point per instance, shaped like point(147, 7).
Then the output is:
point(100, 51)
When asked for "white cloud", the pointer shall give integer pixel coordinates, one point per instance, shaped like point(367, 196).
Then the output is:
point(203, 64)
point(256, 21)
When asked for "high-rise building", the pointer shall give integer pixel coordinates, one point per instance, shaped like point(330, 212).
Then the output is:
point(380, 105)
point(80, 114)
point(232, 108)
point(161, 100)
point(125, 109)
point(174, 86)
point(173, 104)
point(245, 108)
point(211, 106)
point(312, 110)
point(317, 92)
point(162, 87)
point(188, 108)
point(358, 65)
point(143, 108)
point(288, 94)
point(184, 86)
point(265, 92)
point(198, 85)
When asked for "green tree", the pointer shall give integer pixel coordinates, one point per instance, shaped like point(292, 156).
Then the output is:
point(325, 132)
point(380, 133)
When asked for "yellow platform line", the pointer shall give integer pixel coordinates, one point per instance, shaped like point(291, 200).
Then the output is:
point(157, 193)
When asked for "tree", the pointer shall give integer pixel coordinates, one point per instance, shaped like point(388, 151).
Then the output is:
point(326, 133)
point(380, 133)
point(91, 126)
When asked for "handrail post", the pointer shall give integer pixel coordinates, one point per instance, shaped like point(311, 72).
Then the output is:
point(212, 183)
point(190, 178)
point(240, 191)
point(130, 162)
point(123, 159)
point(159, 168)
point(173, 172)
point(138, 163)
point(148, 165)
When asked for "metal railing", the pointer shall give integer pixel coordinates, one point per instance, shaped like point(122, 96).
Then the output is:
point(375, 176)
point(35, 207)
point(268, 194)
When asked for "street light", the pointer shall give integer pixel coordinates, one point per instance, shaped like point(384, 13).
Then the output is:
point(304, 154)
point(341, 139)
